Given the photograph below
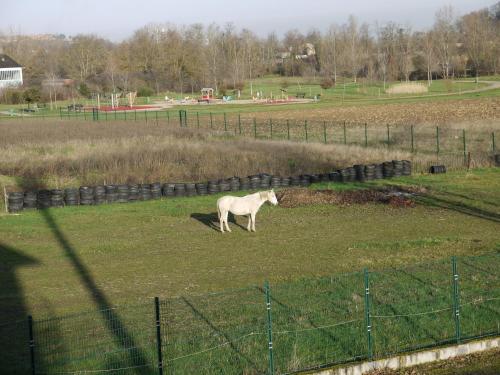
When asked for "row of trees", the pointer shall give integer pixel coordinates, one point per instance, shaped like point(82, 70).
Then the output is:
point(184, 59)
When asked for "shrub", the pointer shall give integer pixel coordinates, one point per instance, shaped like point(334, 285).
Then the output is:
point(31, 95)
point(12, 96)
point(145, 91)
point(84, 91)
point(327, 83)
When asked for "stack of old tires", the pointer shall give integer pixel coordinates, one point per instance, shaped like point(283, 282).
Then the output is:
point(168, 189)
point(180, 190)
point(305, 180)
point(295, 181)
point(285, 181)
point(56, 198)
point(275, 181)
point(43, 199)
point(71, 197)
point(156, 190)
point(111, 193)
point(360, 172)
point(15, 201)
point(397, 168)
point(145, 192)
point(435, 169)
point(335, 176)
point(213, 187)
point(370, 172)
point(122, 193)
point(202, 188)
point(254, 182)
point(265, 180)
point(29, 200)
point(133, 192)
point(86, 195)
point(190, 189)
point(224, 185)
point(388, 169)
point(244, 183)
point(99, 194)
point(234, 183)
point(406, 168)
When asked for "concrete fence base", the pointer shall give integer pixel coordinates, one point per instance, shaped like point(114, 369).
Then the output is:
point(416, 358)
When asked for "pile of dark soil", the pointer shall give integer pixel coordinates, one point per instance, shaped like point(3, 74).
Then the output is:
point(290, 198)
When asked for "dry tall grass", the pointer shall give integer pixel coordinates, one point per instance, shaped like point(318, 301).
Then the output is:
point(66, 153)
point(408, 88)
point(72, 153)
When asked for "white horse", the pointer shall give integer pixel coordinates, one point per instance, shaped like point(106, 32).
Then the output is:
point(246, 206)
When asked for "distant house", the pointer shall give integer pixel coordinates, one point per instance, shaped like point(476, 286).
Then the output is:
point(11, 73)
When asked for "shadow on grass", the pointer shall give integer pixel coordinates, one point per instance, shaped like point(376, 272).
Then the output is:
point(457, 206)
point(219, 332)
point(123, 338)
point(14, 337)
point(212, 221)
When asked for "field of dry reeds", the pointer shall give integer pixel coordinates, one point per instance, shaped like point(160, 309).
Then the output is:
point(60, 153)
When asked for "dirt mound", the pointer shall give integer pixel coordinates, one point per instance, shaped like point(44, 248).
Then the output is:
point(290, 198)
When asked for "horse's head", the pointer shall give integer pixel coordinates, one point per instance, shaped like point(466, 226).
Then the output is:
point(271, 197)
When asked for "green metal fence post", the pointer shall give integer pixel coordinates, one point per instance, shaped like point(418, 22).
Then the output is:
point(135, 114)
point(239, 122)
point(324, 132)
point(168, 118)
point(412, 139)
point(288, 129)
point(269, 328)
point(84, 115)
point(388, 135)
point(158, 335)
point(125, 113)
point(31, 344)
point(345, 134)
point(211, 121)
point(156, 117)
point(60, 112)
point(146, 116)
point(225, 122)
point(305, 128)
point(437, 140)
point(493, 142)
point(464, 146)
point(367, 314)
point(271, 127)
point(105, 115)
point(366, 135)
point(456, 299)
point(197, 120)
point(255, 128)
point(113, 111)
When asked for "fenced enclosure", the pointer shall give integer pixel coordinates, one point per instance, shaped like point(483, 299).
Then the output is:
point(455, 147)
point(275, 329)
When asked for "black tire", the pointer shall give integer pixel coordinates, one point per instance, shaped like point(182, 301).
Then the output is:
point(29, 200)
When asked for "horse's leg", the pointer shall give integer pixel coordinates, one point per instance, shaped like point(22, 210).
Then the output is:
point(249, 226)
point(225, 221)
point(253, 214)
point(221, 220)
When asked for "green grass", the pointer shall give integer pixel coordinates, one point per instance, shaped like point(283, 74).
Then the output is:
point(352, 94)
point(63, 261)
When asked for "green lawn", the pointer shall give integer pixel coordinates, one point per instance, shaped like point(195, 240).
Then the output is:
point(345, 93)
point(69, 260)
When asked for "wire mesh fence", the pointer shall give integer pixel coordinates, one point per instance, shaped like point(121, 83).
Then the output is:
point(275, 329)
point(440, 142)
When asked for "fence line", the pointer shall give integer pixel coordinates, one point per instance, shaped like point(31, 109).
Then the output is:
point(315, 323)
point(428, 140)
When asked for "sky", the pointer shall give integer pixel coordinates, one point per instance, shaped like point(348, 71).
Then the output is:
point(117, 19)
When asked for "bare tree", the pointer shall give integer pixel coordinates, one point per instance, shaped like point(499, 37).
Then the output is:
point(445, 38)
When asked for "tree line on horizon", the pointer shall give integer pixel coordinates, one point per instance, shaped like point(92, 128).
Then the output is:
point(161, 57)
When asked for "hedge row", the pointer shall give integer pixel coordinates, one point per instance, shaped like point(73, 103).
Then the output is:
point(95, 195)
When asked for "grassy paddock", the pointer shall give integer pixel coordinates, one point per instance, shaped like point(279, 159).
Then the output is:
point(125, 254)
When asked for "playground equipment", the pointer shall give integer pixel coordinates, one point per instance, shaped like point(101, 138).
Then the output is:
point(207, 94)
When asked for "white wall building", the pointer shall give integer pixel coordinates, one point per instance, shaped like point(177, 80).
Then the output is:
point(11, 73)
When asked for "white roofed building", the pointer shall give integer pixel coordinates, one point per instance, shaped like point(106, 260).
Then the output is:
point(11, 73)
